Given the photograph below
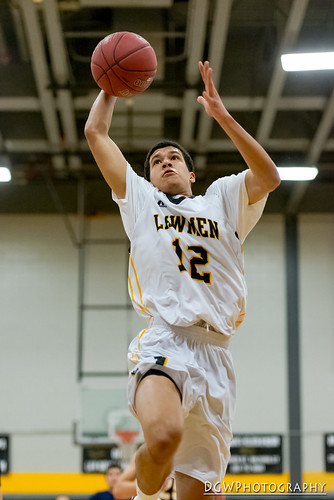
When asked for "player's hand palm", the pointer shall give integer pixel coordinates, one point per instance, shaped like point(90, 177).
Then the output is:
point(210, 99)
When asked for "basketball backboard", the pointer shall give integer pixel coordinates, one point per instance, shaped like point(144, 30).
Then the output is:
point(105, 420)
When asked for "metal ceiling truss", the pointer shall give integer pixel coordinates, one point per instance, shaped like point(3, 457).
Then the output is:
point(49, 36)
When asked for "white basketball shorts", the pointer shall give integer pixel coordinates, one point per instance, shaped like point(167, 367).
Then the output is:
point(200, 364)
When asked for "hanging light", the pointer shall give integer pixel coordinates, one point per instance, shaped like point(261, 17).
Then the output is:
point(308, 61)
point(5, 175)
point(297, 173)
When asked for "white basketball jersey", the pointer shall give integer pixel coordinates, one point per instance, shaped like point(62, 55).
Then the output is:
point(186, 260)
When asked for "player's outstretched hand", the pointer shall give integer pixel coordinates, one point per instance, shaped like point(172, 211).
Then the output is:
point(210, 99)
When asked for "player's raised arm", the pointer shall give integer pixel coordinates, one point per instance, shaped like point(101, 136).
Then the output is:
point(263, 177)
point(126, 486)
point(108, 156)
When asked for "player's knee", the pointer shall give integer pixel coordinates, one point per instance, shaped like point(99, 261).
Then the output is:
point(164, 442)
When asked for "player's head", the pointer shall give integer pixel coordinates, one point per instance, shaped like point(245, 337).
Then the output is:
point(163, 144)
point(170, 168)
point(112, 474)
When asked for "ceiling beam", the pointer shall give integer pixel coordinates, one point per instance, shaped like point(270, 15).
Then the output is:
point(314, 153)
point(21, 146)
point(59, 65)
point(216, 52)
point(126, 3)
point(188, 117)
point(273, 145)
point(147, 102)
point(322, 132)
point(198, 11)
point(292, 29)
point(42, 78)
point(20, 104)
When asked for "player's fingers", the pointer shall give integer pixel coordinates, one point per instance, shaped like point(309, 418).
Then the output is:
point(206, 67)
point(210, 85)
point(206, 72)
point(205, 95)
point(201, 69)
point(203, 73)
point(203, 102)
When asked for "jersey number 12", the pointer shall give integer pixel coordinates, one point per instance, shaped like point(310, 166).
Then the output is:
point(202, 259)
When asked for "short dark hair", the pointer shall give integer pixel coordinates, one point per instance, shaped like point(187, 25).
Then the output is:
point(164, 144)
point(114, 465)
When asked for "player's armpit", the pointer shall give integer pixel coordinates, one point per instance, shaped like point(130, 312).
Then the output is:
point(257, 188)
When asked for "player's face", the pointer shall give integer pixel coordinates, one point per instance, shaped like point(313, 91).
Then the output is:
point(112, 476)
point(169, 172)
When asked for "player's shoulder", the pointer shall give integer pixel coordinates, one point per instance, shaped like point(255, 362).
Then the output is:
point(225, 183)
point(137, 180)
point(102, 495)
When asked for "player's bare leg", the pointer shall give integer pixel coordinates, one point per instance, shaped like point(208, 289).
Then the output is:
point(189, 488)
point(159, 410)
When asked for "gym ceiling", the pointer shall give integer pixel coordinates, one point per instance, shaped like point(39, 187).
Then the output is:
point(46, 91)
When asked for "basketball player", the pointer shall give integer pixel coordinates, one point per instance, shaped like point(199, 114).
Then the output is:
point(186, 276)
point(112, 475)
point(126, 485)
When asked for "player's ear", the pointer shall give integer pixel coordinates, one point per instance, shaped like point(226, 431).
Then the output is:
point(192, 177)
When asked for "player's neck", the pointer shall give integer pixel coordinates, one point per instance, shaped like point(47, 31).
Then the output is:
point(187, 193)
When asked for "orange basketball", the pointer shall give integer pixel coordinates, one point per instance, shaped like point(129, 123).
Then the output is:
point(123, 64)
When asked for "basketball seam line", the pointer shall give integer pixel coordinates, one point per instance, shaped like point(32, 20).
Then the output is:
point(118, 63)
point(120, 79)
point(125, 57)
point(105, 73)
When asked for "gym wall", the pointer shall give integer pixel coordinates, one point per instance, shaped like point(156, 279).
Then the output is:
point(39, 339)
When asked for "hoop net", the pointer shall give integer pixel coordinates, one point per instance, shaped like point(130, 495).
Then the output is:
point(126, 436)
point(128, 443)
point(125, 430)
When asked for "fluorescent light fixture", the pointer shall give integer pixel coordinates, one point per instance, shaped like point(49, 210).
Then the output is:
point(309, 61)
point(5, 175)
point(297, 173)
point(126, 3)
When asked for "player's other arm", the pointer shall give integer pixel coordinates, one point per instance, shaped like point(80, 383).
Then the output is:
point(262, 176)
point(108, 156)
point(126, 486)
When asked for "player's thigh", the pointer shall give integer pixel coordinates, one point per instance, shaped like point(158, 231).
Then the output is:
point(189, 488)
point(158, 406)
